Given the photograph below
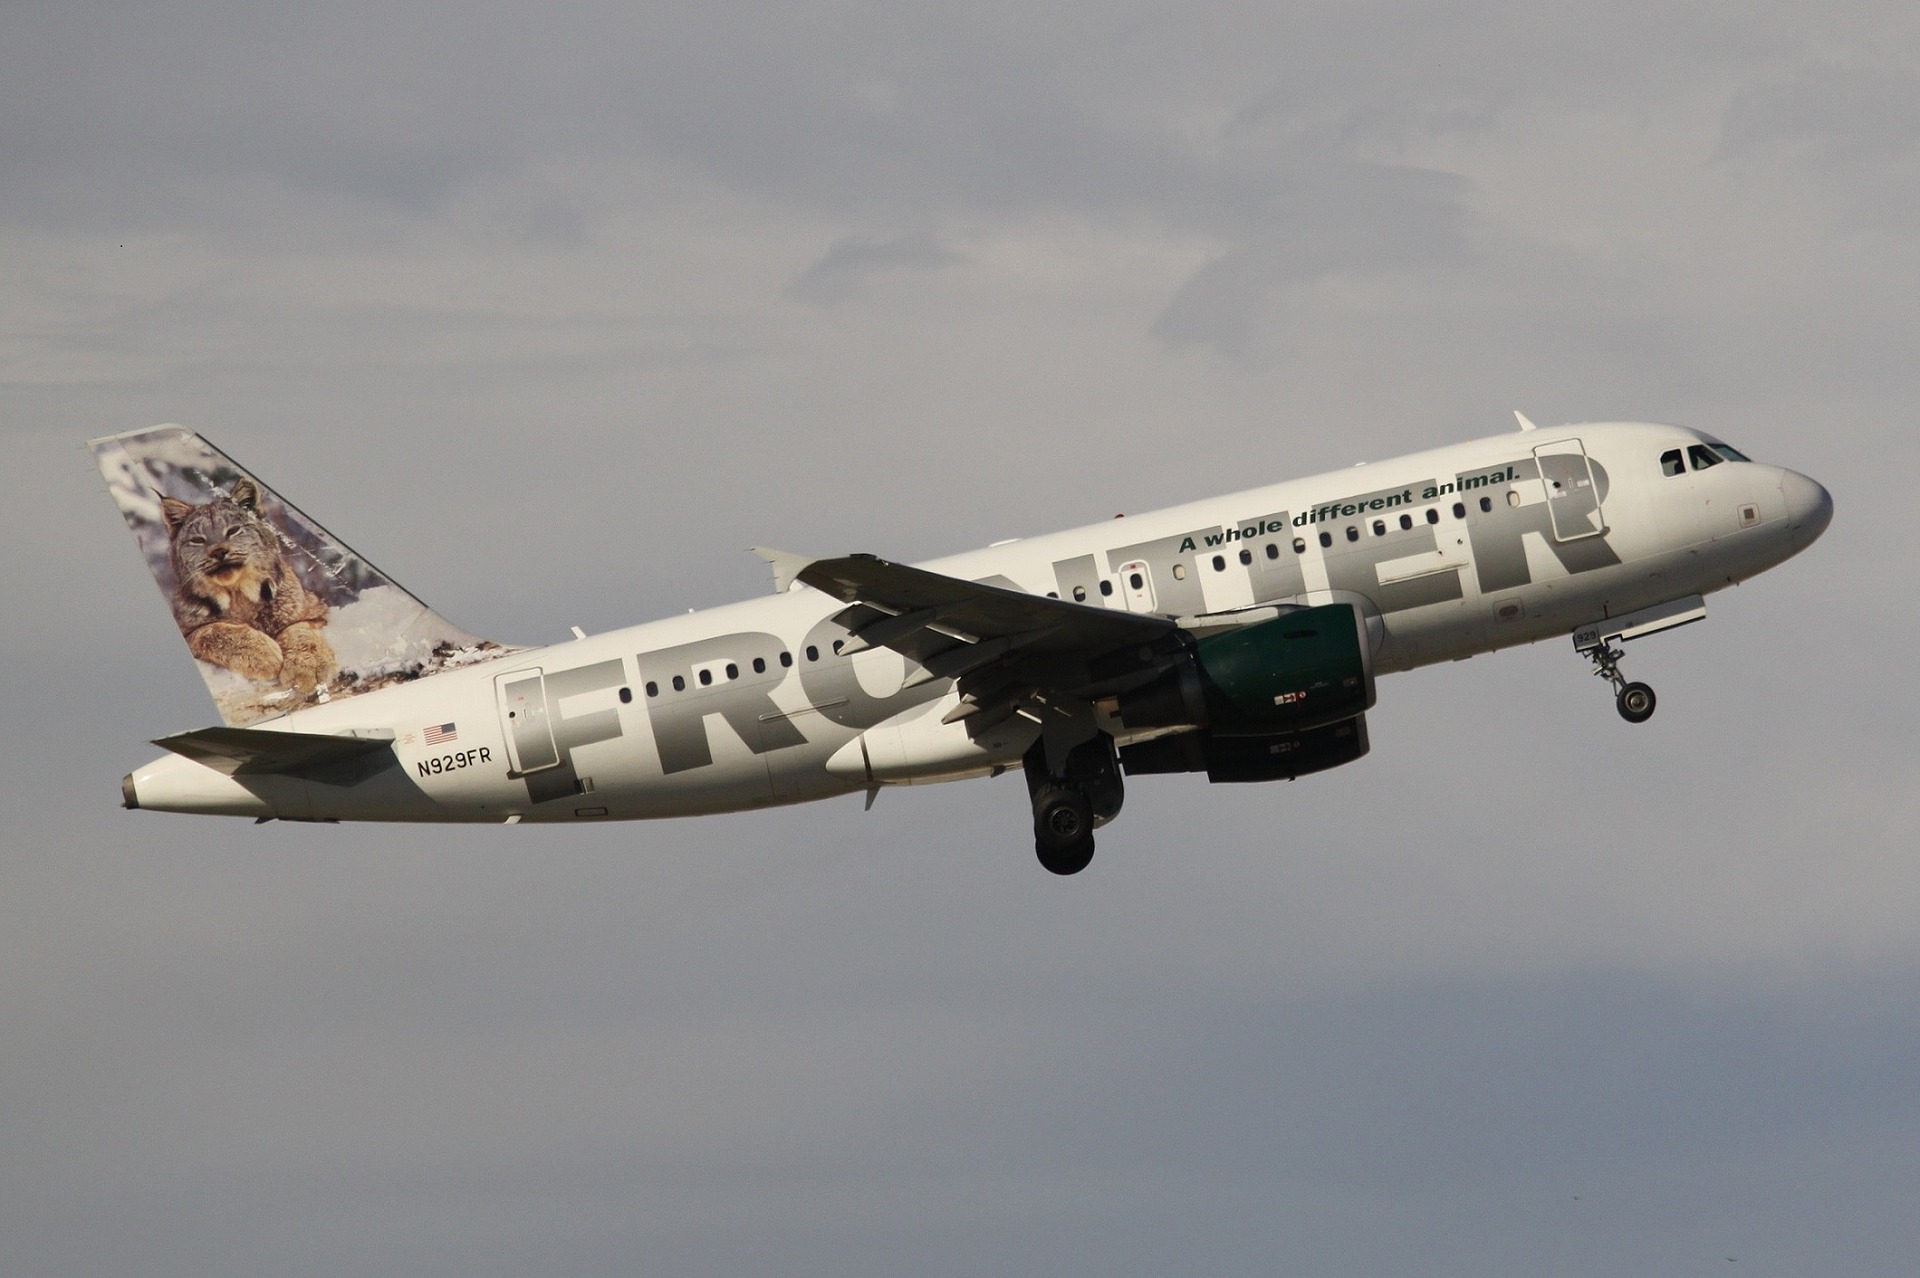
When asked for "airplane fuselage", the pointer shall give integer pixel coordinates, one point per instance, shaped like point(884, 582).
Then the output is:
point(1444, 554)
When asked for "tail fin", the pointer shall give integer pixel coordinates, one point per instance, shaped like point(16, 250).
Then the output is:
point(278, 612)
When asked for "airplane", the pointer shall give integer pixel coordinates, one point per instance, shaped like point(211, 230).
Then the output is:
point(1239, 636)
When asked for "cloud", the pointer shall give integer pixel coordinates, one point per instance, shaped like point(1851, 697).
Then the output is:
point(844, 271)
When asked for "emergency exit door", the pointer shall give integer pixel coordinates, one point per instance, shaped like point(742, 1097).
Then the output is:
point(1136, 586)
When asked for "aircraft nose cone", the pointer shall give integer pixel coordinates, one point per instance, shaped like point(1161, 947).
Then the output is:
point(1809, 506)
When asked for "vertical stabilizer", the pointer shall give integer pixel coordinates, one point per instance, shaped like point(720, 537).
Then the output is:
point(278, 612)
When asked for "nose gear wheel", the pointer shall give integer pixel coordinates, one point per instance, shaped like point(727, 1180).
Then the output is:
point(1634, 701)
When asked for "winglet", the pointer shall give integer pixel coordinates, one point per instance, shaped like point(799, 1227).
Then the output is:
point(786, 565)
point(1522, 419)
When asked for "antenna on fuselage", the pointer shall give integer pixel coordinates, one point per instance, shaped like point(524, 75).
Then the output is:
point(1522, 419)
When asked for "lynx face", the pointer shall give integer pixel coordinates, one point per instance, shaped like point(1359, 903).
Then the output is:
point(223, 549)
point(238, 600)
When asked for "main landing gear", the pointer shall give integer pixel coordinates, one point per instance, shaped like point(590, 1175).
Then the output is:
point(1635, 701)
point(1069, 804)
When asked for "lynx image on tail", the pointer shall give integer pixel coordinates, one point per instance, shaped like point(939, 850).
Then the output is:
point(279, 613)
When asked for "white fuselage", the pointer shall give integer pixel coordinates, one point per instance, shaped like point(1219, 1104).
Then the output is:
point(1460, 550)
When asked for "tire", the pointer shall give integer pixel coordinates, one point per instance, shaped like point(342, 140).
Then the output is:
point(1068, 862)
point(1635, 703)
point(1063, 830)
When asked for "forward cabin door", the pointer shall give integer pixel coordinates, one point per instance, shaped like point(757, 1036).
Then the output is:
point(1573, 499)
point(522, 700)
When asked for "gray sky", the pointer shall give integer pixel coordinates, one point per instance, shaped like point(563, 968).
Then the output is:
point(550, 312)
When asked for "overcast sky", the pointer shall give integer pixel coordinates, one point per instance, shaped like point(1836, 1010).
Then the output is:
point(552, 310)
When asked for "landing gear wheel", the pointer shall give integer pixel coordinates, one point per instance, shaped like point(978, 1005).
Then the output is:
point(1063, 830)
point(1635, 702)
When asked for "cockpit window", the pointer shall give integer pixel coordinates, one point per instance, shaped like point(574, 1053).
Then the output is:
point(1671, 463)
point(1730, 453)
point(1702, 457)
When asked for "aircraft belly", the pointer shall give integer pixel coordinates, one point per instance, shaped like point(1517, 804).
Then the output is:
point(916, 746)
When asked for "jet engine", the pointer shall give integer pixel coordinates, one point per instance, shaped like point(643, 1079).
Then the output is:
point(1301, 670)
point(1274, 758)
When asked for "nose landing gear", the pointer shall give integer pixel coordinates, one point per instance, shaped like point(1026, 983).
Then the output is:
point(1595, 641)
point(1634, 701)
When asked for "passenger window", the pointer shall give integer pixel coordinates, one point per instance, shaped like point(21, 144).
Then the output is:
point(706, 677)
point(1671, 464)
point(1179, 572)
point(626, 696)
point(1299, 545)
point(1486, 504)
point(1701, 456)
point(1079, 594)
point(1106, 587)
point(679, 684)
point(1459, 510)
point(759, 665)
point(733, 671)
point(653, 689)
point(1379, 527)
point(1406, 523)
point(1433, 515)
point(1353, 534)
point(1219, 565)
point(1246, 556)
point(1326, 540)
point(786, 659)
point(1133, 580)
point(1273, 551)
point(837, 645)
point(813, 653)
point(1513, 494)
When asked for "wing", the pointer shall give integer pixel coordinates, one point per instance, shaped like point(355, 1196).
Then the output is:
point(1012, 652)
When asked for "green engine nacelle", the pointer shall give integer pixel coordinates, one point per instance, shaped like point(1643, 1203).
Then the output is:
point(1276, 758)
point(1300, 670)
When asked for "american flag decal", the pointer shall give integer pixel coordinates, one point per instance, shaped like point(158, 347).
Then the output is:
point(438, 734)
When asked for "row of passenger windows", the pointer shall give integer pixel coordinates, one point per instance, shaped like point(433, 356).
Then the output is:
point(1700, 455)
point(1135, 582)
point(1299, 546)
point(732, 670)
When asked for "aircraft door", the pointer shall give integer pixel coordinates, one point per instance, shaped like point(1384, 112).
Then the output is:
point(1136, 586)
point(1573, 499)
point(522, 700)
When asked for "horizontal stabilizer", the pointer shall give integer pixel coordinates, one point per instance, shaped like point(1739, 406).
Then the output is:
point(255, 751)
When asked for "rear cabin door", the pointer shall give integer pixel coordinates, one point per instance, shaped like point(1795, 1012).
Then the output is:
point(1573, 499)
point(522, 699)
point(1136, 586)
